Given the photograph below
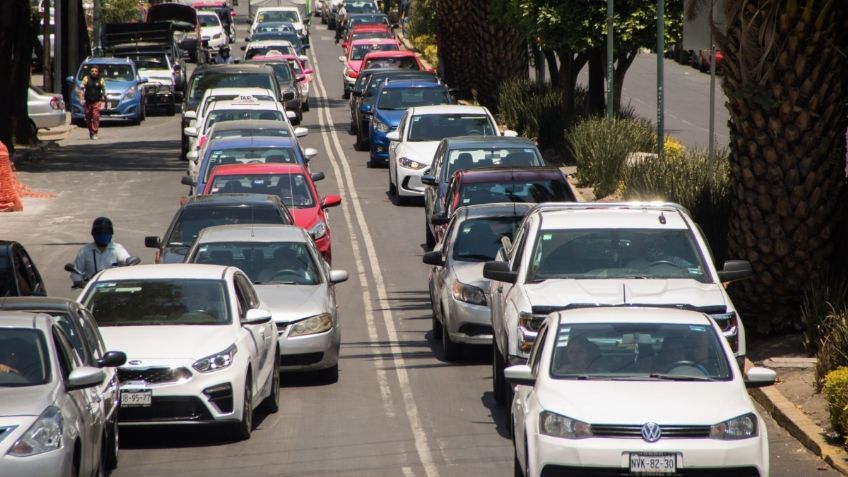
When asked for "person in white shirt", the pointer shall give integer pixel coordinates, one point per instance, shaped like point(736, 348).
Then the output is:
point(99, 255)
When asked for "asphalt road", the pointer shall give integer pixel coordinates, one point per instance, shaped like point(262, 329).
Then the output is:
point(397, 409)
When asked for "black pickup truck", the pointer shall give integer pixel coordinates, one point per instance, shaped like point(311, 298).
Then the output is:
point(18, 274)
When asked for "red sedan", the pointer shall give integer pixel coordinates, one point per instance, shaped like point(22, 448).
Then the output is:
point(366, 31)
point(403, 59)
point(293, 183)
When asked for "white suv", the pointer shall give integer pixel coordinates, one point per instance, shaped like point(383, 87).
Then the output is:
point(576, 254)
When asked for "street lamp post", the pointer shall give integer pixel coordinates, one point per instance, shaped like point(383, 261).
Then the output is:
point(610, 68)
point(660, 82)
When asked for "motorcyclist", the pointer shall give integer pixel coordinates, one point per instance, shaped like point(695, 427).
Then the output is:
point(100, 254)
point(223, 57)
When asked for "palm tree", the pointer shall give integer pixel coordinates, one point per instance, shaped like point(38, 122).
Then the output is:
point(786, 79)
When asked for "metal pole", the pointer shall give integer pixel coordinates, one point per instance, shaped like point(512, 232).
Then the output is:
point(95, 19)
point(47, 46)
point(610, 67)
point(711, 147)
point(660, 80)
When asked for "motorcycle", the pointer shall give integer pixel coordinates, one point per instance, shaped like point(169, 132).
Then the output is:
point(71, 268)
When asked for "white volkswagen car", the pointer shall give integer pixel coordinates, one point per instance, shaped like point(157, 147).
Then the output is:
point(414, 142)
point(291, 276)
point(200, 344)
point(289, 14)
point(636, 391)
point(212, 30)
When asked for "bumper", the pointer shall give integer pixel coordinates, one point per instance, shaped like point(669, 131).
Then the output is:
point(49, 120)
point(409, 182)
point(310, 352)
point(126, 109)
point(555, 456)
point(379, 145)
point(467, 323)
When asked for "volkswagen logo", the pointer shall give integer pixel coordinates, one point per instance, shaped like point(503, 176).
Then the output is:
point(134, 362)
point(651, 432)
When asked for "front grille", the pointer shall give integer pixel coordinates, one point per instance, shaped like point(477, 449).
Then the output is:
point(166, 409)
point(153, 375)
point(301, 359)
point(476, 330)
point(635, 431)
point(281, 328)
point(568, 471)
point(221, 396)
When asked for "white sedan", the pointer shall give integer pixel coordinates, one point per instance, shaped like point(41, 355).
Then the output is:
point(212, 30)
point(45, 110)
point(414, 143)
point(200, 344)
point(635, 391)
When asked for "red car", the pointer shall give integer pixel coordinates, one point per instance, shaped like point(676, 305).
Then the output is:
point(360, 49)
point(403, 59)
point(364, 32)
point(302, 70)
point(295, 186)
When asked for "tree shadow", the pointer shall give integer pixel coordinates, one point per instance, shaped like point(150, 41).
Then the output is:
point(121, 156)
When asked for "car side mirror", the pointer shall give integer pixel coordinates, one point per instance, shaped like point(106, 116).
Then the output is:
point(499, 272)
point(143, 80)
point(69, 79)
point(256, 316)
point(318, 176)
point(510, 133)
point(309, 153)
point(131, 260)
point(331, 201)
point(428, 180)
point(152, 242)
point(300, 132)
point(300, 78)
point(187, 180)
point(112, 359)
point(84, 377)
point(439, 220)
point(758, 377)
point(393, 136)
point(190, 131)
point(735, 270)
point(190, 115)
point(191, 155)
point(365, 108)
point(434, 258)
point(288, 96)
point(520, 374)
point(338, 276)
point(71, 268)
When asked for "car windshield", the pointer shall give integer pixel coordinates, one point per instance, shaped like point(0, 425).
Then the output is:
point(270, 50)
point(478, 240)
point(264, 262)
point(229, 80)
point(7, 278)
point(207, 20)
point(278, 16)
point(378, 80)
point(229, 97)
point(640, 351)
point(173, 301)
point(362, 19)
point(194, 219)
point(435, 127)
point(292, 189)
point(274, 27)
point(282, 131)
point(24, 353)
point(223, 115)
point(470, 158)
point(250, 155)
point(360, 35)
point(358, 52)
point(403, 62)
point(403, 98)
point(282, 71)
point(617, 254)
point(360, 8)
point(532, 191)
point(150, 61)
point(273, 35)
point(109, 72)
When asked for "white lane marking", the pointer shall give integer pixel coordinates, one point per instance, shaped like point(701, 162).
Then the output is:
point(382, 381)
point(420, 437)
point(407, 472)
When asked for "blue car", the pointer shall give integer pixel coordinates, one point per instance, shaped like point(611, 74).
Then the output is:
point(393, 98)
point(248, 150)
point(124, 91)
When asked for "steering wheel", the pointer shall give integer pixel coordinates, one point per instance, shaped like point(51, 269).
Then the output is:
point(682, 363)
point(5, 368)
point(664, 262)
point(286, 272)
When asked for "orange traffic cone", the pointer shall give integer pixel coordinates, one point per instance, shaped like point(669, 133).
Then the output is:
point(10, 200)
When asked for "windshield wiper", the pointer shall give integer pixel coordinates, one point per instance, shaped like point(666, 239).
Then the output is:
point(677, 377)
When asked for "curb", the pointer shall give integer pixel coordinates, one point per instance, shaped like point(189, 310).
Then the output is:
point(800, 426)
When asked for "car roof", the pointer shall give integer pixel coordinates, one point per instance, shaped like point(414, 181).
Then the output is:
point(23, 319)
point(601, 217)
point(270, 43)
point(250, 123)
point(258, 169)
point(230, 199)
point(374, 41)
point(229, 104)
point(447, 109)
point(268, 9)
point(163, 271)
point(237, 91)
point(234, 68)
point(390, 54)
point(497, 209)
point(279, 57)
point(411, 83)
point(492, 174)
point(224, 143)
point(488, 142)
point(631, 314)
point(252, 233)
point(36, 303)
point(370, 26)
point(108, 60)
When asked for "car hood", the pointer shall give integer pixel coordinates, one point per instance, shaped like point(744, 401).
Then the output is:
point(555, 292)
point(422, 151)
point(638, 402)
point(304, 218)
point(390, 117)
point(168, 341)
point(292, 302)
point(27, 401)
point(471, 273)
point(173, 254)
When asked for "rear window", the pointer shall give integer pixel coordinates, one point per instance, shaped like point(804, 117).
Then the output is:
point(470, 158)
point(404, 63)
point(359, 51)
point(194, 219)
point(229, 80)
point(222, 115)
point(24, 352)
point(404, 98)
point(292, 189)
point(535, 191)
point(250, 155)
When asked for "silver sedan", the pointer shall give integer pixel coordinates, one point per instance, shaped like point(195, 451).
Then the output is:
point(458, 291)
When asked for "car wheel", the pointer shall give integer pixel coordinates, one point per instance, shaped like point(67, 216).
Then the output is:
point(437, 327)
point(392, 188)
point(498, 388)
point(271, 404)
point(244, 427)
point(330, 375)
point(450, 349)
point(171, 109)
point(519, 472)
point(346, 94)
point(306, 105)
point(184, 149)
point(112, 447)
point(431, 239)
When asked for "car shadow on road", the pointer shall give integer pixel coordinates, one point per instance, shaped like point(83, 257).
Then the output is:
point(165, 437)
point(407, 300)
point(120, 156)
point(498, 413)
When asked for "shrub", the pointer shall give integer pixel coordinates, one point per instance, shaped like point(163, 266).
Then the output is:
point(601, 147)
point(533, 111)
point(822, 296)
point(426, 46)
point(682, 177)
point(422, 18)
point(833, 344)
point(836, 394)
point(120, 11)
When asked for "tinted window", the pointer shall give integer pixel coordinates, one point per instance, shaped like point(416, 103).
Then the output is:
point(282, 71)
point(470, 158)
point(435, 127)
point(404, 62)
point(224, 115)
point(403, 98)
point(269, 50)
point(159, 302)
point(150, 61)
point(277, 16)
point(24, 356)
point(358, 52)
point(110, 72)
point(263, 262)
point(250, 155)
point(282, 131)
point(534, 191)
point(194, 219)
point(65, 322)
point(274, 27)
point(292, 189)
point(209, 20)
point(7, 277)
point(478, 240)
point(359, 35)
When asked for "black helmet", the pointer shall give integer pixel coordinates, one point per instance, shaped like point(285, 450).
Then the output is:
point(102, 225)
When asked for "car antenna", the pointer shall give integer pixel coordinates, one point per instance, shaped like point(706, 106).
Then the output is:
point(662, 218)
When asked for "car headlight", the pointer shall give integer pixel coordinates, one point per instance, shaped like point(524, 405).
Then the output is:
point(552, 424)
point(411, 164)
point(131, 91)
point(44, 435)
point(742, 427)
point(380, 126)
point(318, 230)
point(528, 328)
point(312, 325)
point(468, 294)
point(216, 361)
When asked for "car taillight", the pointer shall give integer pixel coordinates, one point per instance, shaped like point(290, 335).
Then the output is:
point(352, 73)
point(56, 102)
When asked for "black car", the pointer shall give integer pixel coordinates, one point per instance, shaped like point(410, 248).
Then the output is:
point(203, 211)
point(254, 75)
point(18, 274)
point(362, 101)
point(288, 81)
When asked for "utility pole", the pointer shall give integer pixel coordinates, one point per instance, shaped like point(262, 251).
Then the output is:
point(47, 47)
point(610, 68)
point(711, 147)
point(660, 79)
point(95, 19)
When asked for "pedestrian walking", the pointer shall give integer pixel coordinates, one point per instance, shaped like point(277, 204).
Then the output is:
point(91, 96)
point(404, 14)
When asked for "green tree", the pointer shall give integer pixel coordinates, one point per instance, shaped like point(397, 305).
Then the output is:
point(120, 11)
